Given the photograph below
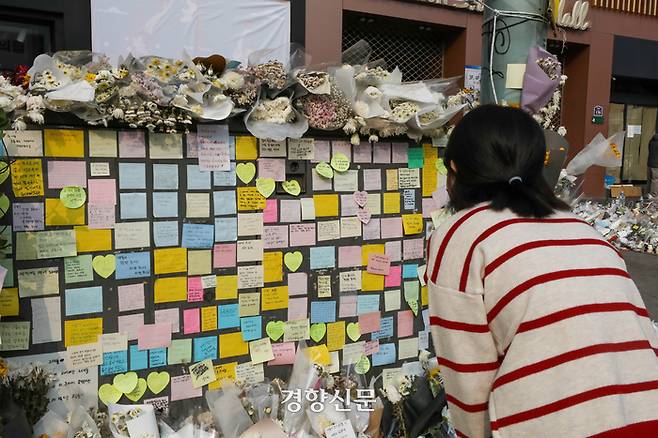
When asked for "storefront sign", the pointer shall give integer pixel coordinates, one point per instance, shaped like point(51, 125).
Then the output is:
point(597, 115)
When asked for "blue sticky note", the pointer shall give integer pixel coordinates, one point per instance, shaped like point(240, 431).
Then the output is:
point(385, 355)
point(132, 205)
point(138, 358)
point(84, 300)
point(165, 176)
point(415, 158)
point(228, 316)
point(367, 304)
point(226, 229)
point(323, 311)
point(251, 328)
point(165, 204)
point(165, 233)
point(410, 271)
point(197, 179)
point(323, 257)
point(198, 235)
point(157, 357)
point(133, 265)
point(114, 362)
point(224, 203)
point(385, 329)
point(205, 348)
point(225, 178)
point(132, 176)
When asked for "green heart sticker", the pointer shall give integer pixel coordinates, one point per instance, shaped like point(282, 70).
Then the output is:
point(353, 331)
point(274, 329)
point(318, 331)
point(324, 169)
point(362, 366)
point(246, 172)
point(139, 390)
point(109, 394)
point(291, 187)
point(157, 382)
point(4, 205)
point(265, 186)
point(340, 162)
point(293, 260)
point(126, 383)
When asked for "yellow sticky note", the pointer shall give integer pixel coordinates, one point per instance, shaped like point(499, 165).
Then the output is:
point(92, 240)
point(58, 214)
point(231, 345)
point(82, 331)
point(246, 148)
point(261, 350)
point(412, 223)
point(336, 335)
point(326, 205)
point(371, 282)
point(274, 298)
point(249, 198)
point(272, 267)
point(430, 178)
point(514, 77)
point(249, 304)
point(199, 262)
point(227, 287)
point(366, 250)
point(223, 372)
point(424, 299)
point(391, 202)
point(9, 302)
point(27, 178)
point(319, 354)
point(64, 143)
point(208, 318)
point(169, 289)
point(430, 154)
point(170, 260)
point(391, 179)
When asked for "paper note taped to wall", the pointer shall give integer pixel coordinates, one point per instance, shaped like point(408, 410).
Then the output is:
point(515, 73)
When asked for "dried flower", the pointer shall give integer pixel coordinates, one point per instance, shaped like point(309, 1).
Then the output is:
point(272, 73)
point(278, 111)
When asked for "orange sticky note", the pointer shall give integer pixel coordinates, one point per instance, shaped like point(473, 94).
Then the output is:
point(170, 260)
point(64, 143)
point(274, 298)
point(82, 331)
point(208, 318)
point(170, 289)
point(226, 287)
point(92, 240)
point(272, 267)
point(246, 148)
point(326, 205)
point(58, 214)
point(231, 345)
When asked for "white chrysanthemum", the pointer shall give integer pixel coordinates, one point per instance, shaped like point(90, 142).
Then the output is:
point(34, 102)
point(562, 131)
point(19, 125)
point(35, 116)
point(117, 113)
point(355, 139)
point(361, 108)
point(373, 92)
point(424, 356)
point(392, 394)
point(7, 104)
point(233, 80)
point(373, 138)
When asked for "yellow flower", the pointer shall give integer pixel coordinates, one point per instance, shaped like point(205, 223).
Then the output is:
point(4, 369)
point(90, 77)
point(155, 62)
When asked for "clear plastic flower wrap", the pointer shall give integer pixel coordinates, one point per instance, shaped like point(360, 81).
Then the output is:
point(328, 110)
point(276, 118)
point(599, 152)
point(134, 421)
point(81, 425)
point(198, 423)
point(227, 410)
point(51, 424)
point(304, 376)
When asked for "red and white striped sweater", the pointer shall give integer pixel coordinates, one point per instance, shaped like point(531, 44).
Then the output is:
point(539, 329)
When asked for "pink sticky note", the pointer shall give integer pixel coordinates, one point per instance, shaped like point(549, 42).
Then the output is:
point(393, 249)
point(170, 316)
point(369, 322)
point(67, 173)
point(391, 227)
point(130, 324)
point(320, 182)
point(371, 347)
point(297, 283)
point(271, 211)
point(131, 297)
point(191, 321)
point(400, 152)
point(349, 256)
point(429, 205)
point(297, 308)
point(372, 230)
point(102, 191)
point(132, 144)
point(181, 388)
point(224, 255)
point(412, 249)
point(194, 289)
point(343, 147)
point(274, 168)
point(101, 216)
point(284, 353)
point(405, 323)
point(302, 234)
point(394, 277)
point(275, 236)
point(382, 153)
point(154, 336)
point(379, 264)
point(347, 306)
point(291, 210)
point(321, 151)
point(363, 153)
point(347, 206)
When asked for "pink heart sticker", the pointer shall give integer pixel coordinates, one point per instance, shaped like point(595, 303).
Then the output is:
point(361, 198)
point(363, 215)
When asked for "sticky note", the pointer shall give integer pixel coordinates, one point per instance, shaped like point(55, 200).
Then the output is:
point(84, 300)
point(156, 335)
point(165, 233)
point(226, 229)
point(326, 205)
point(227, 287)
point(133, 265)
point(56, 244)
point(272, 267)
point(165, 145)
point(371, 282)
point(138, 358)
point(249, 303)
point(179, 351)
point(38, 281)
point(223, 372)
point(367, 304)
point(165, 204)
point(229, 316)
point(165, 176)
point(9, 302)
point(82, 331)
point(385, 356)
point(366, 250)
point(323, 311)
point(335, 335)
point(90, 240)
point(251, 327)
point(274, 298)
point(66, 173)
point(64, 143)
point(284, 354)
point(114, 362)
point(132, 176)
point(170, 260)
point(385, 329)
point(261, 351)
point(102, 143)
point(198, 235)
point(514, 76)
point(246, 148)
point(196, 178)
point(157, 357)
point(58, 214)
point(415, 158)
point(27, 178)
point(191, 321)
point(28, 216)
point(412, 223)
point(391, 202)
point(323, 257)
point(132, 144)
point(205, 348)
point(26, 143)
point(232, 345)
point(208, 318)
point(170, 289)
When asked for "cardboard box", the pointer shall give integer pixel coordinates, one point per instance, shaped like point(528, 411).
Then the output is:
point(629, 190)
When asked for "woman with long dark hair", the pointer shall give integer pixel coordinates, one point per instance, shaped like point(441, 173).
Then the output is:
point(538, 327)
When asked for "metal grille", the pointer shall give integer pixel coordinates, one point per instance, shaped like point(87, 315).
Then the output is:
point(416, 48)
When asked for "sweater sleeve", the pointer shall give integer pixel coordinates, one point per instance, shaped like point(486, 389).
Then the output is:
point(467, 356)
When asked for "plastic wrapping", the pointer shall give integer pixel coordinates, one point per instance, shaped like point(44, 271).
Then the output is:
point(228, 412)
point(134, 421)
point(52, 425)
point(80, 420)
point(280, 112)
point(599, 152)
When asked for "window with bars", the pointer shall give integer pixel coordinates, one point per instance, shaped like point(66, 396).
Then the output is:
point(416, 48)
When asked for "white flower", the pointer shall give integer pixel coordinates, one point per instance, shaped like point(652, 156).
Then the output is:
point(361, 108)
point(392, 394)
point(424, 356)
point(373, 138)
point(19, 125)
point(34, 102)
point(117, 113)
point(373, 93)
point(35, 116)
point(179, 100)
point(355, 139)
point(6, 104)
point(562, 131)
point(233, 80)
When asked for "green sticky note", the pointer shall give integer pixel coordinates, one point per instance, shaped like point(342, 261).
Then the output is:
point(26, 246)
point(180, 351)
point(78, 269)
point(415, 158)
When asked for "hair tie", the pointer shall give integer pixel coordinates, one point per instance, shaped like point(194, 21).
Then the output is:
point(515, 179)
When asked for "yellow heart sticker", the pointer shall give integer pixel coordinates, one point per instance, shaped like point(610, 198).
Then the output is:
point(274, 329)
point(157, 382)
point(324, 169)
point(126, 383)
point(293, 260)
point(139, 390)
point(291, 187)
point(4, 205)
point(109, 394)
point(73, 196)
point(353, 331)
point(318, 331)
point(104, 265)
point(246, 172)
point(340, 162)
point(265, 186)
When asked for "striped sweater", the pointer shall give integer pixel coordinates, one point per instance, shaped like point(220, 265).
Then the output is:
point(539, 329)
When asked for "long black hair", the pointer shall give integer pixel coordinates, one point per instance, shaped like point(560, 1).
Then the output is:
point(499, 154)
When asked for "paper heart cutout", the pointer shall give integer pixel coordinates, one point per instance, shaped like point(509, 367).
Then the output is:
point(104, 265)
point(324, 169)
point(265, 186)
point(363, 215)
point(4, 171)
point(4, 205)
point(292, 187)
point(126, 383)
point(73, 196)
point(293, 260)
point(274, 329)
point(340, 162)
point(157, 382)
point(353, 331)
point(318, 331)
point(246, 172)
point(362, 366)
point(109, 394)
point(139, 390)
point(413, 305)
point(361, 198)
